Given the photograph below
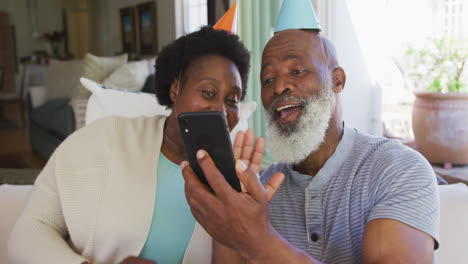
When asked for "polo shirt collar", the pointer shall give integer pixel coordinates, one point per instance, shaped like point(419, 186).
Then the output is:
point(330, 167)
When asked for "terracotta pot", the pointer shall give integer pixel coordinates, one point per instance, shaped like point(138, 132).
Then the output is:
point(440, 126)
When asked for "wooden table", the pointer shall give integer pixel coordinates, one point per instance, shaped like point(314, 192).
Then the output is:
point(453, 175)
point(18, 176)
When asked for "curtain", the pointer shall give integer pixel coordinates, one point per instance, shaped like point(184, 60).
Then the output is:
point(256, 21)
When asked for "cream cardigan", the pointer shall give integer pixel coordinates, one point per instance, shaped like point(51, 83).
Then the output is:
point(99, 188)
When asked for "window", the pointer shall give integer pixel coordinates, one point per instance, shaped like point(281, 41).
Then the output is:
point(195, 15)
point(382, 33)
point(452, 15)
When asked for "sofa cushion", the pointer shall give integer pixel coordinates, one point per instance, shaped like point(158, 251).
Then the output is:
point(453, 224)
point(12, 201)
point(149, 85)
point(79, 111)
point(63, 77)
point(56, 117)
point(130, 76)
point(97, 69)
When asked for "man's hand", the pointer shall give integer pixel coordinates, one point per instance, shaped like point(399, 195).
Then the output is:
point(245, 150)
point(237, 220)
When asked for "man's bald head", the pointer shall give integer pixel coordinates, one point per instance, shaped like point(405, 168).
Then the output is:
point(322, 49)
point(330, 52)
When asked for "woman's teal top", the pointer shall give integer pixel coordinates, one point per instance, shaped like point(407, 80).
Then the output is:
point(173, 223)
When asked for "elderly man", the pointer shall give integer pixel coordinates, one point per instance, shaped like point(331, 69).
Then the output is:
point(347, 197)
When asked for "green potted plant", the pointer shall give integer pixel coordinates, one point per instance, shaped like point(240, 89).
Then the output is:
point(440, 109)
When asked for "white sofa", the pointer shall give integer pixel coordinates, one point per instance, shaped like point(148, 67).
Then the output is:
point(106, 101)
point(12, 201)
point(453, 225)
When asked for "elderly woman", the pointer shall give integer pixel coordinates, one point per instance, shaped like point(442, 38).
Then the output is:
point(114, 188)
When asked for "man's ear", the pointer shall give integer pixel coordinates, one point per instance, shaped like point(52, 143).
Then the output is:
point(174, 91)
point(339, 79)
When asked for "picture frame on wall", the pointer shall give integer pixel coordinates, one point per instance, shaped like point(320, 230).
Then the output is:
point(13, 45)
point(127, 29)
point(147, 28)
point(2, 73)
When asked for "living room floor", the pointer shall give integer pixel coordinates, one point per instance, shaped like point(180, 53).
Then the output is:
point(15, 151)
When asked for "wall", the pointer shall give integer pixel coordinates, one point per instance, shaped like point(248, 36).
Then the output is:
point(7, 62)
point(49, 17)
point(105, 18)
point(4, 5)
point(220, 9)
point(362, 97)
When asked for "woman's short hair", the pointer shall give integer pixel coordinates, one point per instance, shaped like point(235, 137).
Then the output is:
point(176, 57)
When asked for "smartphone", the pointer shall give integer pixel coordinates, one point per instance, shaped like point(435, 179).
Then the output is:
point(208, 130)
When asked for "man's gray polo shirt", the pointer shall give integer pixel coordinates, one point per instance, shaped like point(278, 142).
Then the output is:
point(365, 179)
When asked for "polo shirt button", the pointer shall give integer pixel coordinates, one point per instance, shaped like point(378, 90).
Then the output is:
point(314, 237)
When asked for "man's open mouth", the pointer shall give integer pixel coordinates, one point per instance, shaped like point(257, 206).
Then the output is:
point(287, 112)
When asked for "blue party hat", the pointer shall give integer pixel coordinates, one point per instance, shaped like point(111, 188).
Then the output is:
point(297, 14)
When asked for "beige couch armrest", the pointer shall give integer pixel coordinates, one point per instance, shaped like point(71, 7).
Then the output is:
point(12, 202)
point(453, 224)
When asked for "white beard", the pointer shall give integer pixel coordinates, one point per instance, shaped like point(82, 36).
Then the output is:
point(293, 143)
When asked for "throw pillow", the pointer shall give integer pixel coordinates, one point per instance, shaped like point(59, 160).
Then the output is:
point(62, 78)
point(79, 111)
point(149, 85)
point(151, 63)
point(130, 76)
point(97, 69)
point(107, 101)
point(246, 109)
point(38, 95)
point(56, 117)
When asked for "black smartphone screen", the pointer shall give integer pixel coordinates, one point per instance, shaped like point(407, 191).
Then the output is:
point(208, 131)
